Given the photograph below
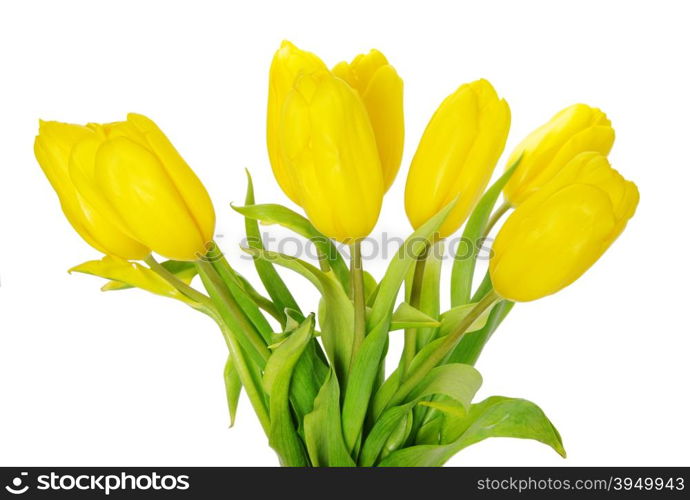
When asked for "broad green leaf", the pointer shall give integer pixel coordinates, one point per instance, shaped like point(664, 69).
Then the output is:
point(494, 417)
point(430, 431)
point(399, 436)
point(380, 433)
point(458, 382)
point(278, 214)
point(184, 271)
point(336, 315)
point(233, 388)
point(274, 284)
point(472, 343)
point(430, 299)
point(367, 363)
point(132, 274)
point(468, 248)
point(323, 431)
point(385, 393)
point(406, 316)
point(445, 407)
point(283, 436)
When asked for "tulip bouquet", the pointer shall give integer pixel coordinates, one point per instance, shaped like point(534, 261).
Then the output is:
point(335, 140)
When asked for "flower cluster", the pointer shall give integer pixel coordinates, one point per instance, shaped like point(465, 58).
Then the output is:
point(335, 142)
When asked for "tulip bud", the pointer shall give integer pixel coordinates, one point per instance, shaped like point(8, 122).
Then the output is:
point(547, 149)
point(52, 149)
point(330, 152)
point(130, 176)
point(381, 90)
point(457, 155)
point(289, 62)
point(552, 238)
point(131, 171)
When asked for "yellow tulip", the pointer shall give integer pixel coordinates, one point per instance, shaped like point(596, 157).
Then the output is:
point(552, 238)
point(132, 177)
point(381, 90)
point(329, 150)
point(547, 149)
point(457, 155)
point(289, 62)
point(52, 149)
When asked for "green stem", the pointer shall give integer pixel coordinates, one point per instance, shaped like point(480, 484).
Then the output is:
point(229, 275)
point(224, 300)
point(495, 217)
point(451, 340)
point(228, 324)
point(357, 287)
point(180, 285)
point(324, 265)
point(410, 347)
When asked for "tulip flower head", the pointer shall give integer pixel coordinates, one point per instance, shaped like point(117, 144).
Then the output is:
point(552, 238)
point(130, 175)
point(330, 150)
point(457, 155)
point(335, 138)
point(545, 151)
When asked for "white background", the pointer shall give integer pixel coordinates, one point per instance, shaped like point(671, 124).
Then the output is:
point(126, 378)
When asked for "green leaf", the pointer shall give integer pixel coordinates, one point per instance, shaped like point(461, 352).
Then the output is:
point(385, 393)
point(274, 284)
point(283, 436)
point(183, 270)
point(430, 431)
point(236, 287)
point(466, 258)
point(406, 316)
point(472, 343)
point(370, 285)
point(449, 322)
point(283, 216)
point(133, 275)
point(458, 382)
point(365, 370)
point(261, 301)
point(233, 388)
point(494, 417)
point(384, 427)
point(336, 314)
point(323, 431)
point(451, 319)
